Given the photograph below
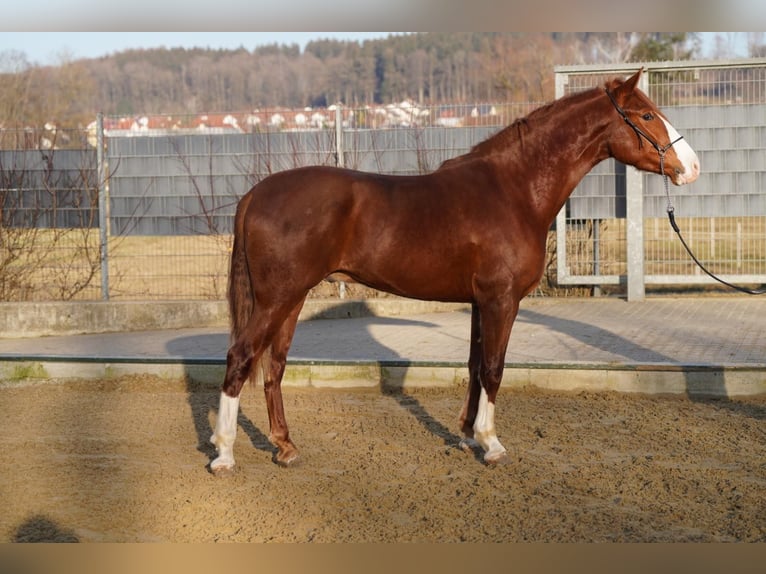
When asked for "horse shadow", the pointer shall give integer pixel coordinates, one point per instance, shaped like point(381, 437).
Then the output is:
point(351, 342)
point(593, 336)
point(714, 394)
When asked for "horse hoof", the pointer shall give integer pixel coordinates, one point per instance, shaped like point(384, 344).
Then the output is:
point(498, 459)
point(222, 471)
point(289, 460)
point(220, 467)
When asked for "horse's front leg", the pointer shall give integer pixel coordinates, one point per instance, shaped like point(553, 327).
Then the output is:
point(496, 320)
point(471, 402)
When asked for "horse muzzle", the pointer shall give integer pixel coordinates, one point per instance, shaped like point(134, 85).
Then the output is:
point(689, 170)
point(690, 174)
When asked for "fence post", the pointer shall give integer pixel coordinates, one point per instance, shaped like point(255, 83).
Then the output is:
point(340, 162)
point(562, 271)
point(634, 213)
point(102, 207)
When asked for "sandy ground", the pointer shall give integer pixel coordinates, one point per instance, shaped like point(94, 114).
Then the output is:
point(126, 460)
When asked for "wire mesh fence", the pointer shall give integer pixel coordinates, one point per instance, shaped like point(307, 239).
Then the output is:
point(172, 185)
point(173, 194)
point(49, 247)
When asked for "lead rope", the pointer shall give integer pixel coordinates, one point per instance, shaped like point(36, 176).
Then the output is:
point(671, 217)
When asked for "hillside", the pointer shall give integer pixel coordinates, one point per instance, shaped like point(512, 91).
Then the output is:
point(424, 67)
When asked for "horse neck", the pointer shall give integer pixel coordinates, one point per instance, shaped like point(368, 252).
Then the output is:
point(561, 146)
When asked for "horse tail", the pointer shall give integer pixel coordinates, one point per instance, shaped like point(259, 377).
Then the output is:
point(240, 295)
point(240, 287)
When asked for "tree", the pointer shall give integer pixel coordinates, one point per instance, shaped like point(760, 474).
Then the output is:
point(606, 48)
point(529, 77)
point(429, 67)
point(16, 82)
point(661, 46)
point(756, 47)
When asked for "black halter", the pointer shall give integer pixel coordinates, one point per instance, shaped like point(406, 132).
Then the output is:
point(661, 150)
point(640, 133)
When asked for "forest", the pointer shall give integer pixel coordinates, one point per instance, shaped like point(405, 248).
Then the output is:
point(427, 68)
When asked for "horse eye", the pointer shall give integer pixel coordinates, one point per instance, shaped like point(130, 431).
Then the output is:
point(648, 116)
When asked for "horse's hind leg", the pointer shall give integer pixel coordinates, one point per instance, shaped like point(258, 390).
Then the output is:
point(244, 360)
point(239, 366)
point(225, 433)
point(279, 434)
point(239, 363)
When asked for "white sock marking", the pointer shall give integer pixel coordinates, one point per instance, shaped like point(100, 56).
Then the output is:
point(484, 429)
point(225, 432)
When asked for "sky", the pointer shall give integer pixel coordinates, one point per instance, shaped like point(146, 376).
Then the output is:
point(46, 48)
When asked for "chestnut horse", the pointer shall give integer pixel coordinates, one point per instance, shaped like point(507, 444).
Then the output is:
point(472, 231)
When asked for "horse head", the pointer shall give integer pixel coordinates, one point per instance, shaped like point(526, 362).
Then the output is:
point(643, 137)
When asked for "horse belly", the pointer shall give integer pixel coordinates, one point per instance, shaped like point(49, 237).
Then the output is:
point(426, 287)
point(411, 267)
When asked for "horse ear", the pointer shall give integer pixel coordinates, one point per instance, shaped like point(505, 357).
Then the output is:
point(630, 84)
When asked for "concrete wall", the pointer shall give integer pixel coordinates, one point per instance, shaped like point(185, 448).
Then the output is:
point(57, 318)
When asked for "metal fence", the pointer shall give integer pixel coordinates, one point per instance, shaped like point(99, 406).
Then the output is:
point(614, 228)
point(49, 247)
point(150, 218)
point(169, 187)
point(172, 197)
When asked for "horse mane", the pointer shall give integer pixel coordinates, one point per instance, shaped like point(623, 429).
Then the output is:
point(515, 133)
